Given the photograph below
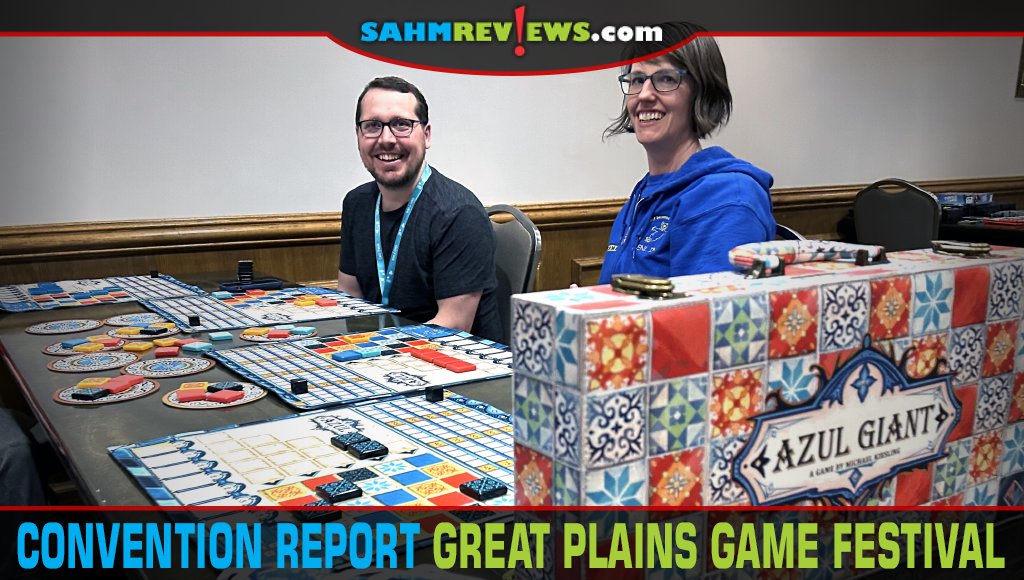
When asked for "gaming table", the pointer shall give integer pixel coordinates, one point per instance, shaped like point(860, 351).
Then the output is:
point(82, 434)
point(994, 235)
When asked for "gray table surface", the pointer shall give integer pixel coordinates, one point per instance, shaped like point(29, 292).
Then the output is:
point(82, 434)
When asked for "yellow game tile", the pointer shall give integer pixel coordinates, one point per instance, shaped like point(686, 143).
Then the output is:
point(91, 382)
point(96, 337)
point(196, 385)
point(138, 346)
point(304, 302)
point(87, 347)
point(256, 331)
point(165, 341)
point(129, 330)
point(286, 492)
point(167, 325)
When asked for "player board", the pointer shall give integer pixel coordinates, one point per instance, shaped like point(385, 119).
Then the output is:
point(69, 293)
point(230, 310)
point(433, 448)
point(353, 367)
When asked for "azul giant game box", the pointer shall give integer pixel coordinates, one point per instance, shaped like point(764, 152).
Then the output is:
point(895, 383)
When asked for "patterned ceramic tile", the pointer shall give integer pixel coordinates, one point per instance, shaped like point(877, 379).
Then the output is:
point(986, 494)
point(993, 406)
point(914, 487)
point(884, 494)
point(970, 295)
point(680, 339)
point(932, 306)
point(793, 378)
point(735, 397)
point(999, 349)
point(1018, 359)
point(678, 414)
point(741, 330)
point(567, 355)
point(1013, 450)
point(533, 477)
point(890, 308)
point(985, 455)
point(617, 351)
point(533, 410)
point(721, 488)
point(625, 485)
point(966, 353)
point(615, 428)
point(927, 352)
point(533, 338)
point(794, 328)
point(1004, 297)
point(968, 397)
point(568, 416)
point(676, 478)
point(950, 472)
point(1017, 404)
point(844, 315)
point(567, 485)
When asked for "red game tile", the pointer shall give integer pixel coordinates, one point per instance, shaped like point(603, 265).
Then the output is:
point(968, 397)
point(914, 487)
point(794, 316)
point(676, 479)
point(680, 341)
point(890, 308)
point(970, 295)
point(999, 349)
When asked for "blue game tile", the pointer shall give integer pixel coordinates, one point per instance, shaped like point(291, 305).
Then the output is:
point(222, 295)
point(346, 355)
point(220, 336)
point(410, 477)
point(303, 330)
point(423, 460)
point(357, 475)
point(71, 343)
point(397, 497)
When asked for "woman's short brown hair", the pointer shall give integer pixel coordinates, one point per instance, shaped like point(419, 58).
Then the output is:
point(712, 102)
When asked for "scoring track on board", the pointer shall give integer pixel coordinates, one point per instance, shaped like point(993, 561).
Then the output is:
point(262, 309)
point(382, 364)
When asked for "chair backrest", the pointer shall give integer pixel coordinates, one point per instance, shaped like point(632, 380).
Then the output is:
point(905, 218)
point(516, 259)
point(787, 233)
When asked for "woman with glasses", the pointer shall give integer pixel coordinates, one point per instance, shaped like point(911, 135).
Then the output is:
point(695, 203)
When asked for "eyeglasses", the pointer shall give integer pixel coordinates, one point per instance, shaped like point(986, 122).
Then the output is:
point(399, 127)
point(665, 80)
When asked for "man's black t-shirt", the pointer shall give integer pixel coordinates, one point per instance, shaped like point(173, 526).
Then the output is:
point(447, 250)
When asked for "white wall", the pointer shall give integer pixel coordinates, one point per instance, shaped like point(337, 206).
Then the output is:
point(142, 128)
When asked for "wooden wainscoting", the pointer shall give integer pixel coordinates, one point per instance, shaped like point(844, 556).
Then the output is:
point(304, 247)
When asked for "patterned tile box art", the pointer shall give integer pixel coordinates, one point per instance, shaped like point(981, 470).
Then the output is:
point(895, 383)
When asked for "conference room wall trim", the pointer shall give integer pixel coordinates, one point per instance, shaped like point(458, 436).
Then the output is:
point(304, 247)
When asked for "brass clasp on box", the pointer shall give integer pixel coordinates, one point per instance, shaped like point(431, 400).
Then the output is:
point(965, 249)
point(647, 287)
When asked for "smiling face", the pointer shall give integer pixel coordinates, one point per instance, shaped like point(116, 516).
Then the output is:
point(662, 121)
point(393, 162)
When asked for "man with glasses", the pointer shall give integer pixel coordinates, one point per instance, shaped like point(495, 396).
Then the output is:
point(413, 239)
point(695, 203)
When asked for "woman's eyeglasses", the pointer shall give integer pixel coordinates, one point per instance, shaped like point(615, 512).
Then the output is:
point(665, 80)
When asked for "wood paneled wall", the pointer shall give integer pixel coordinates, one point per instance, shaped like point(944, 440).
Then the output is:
point(304, 247)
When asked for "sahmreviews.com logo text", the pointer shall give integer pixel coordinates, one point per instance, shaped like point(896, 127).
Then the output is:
point(502, 31)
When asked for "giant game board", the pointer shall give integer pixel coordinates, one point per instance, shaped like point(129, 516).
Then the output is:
point(357, 366)
point(68, 293)
point(433, 448)
point(260, 308)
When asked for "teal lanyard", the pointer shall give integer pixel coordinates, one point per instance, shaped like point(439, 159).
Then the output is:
point(386, 278)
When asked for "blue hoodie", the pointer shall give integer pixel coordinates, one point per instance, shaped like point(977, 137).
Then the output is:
point(686, 222)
